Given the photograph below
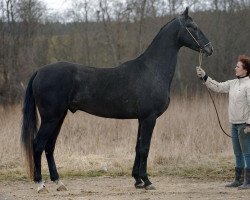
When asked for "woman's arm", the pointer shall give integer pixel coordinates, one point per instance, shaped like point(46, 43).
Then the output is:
point(222, 87)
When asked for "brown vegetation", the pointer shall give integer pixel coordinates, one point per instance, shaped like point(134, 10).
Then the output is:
point(187, 141)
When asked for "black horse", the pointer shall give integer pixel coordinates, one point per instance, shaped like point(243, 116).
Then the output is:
point(137, 89)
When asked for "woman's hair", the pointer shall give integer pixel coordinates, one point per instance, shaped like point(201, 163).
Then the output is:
point(246, 62)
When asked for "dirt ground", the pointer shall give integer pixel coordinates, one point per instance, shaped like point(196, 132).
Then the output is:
point(102, 188)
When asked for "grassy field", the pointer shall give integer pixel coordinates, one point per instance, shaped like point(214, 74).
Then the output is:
point(187, 141)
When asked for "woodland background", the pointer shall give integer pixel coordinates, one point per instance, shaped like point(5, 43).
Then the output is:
point(104, 33)
point(187, 139)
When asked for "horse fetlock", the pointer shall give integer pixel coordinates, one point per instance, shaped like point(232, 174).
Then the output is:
point(146, 181)
point(139, 185)
point(135, 174)
point(41, 188)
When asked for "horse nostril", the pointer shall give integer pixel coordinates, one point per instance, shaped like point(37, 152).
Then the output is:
point(209, 49)
point(212, 48)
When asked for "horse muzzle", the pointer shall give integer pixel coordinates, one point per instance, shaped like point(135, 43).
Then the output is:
point(207, 49)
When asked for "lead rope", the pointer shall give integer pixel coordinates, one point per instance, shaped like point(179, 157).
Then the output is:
point(200, 62)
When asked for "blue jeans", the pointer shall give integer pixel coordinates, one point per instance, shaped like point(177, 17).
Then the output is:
point(241, 146)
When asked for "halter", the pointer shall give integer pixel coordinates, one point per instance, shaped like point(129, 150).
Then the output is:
point(196, 41)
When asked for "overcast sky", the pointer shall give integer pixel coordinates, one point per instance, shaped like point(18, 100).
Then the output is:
point(57, 5)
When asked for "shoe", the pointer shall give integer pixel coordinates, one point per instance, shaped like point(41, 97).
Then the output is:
point(246, 183)
point(238, 180)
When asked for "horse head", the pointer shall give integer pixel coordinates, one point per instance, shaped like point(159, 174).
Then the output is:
point(191, 36)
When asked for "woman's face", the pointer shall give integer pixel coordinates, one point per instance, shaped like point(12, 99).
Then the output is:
point(239, 70)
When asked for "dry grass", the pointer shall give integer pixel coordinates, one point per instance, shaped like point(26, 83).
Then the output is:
point(187, 141)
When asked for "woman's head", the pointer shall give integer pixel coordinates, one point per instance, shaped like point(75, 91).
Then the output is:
point(243, 66)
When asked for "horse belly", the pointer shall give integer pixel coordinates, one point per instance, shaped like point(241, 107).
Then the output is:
point(107, 109)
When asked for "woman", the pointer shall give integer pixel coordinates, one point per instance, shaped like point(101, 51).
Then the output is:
point(239, 116)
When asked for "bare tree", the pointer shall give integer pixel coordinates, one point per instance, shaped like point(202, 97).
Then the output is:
point(80, 11)
point(174, 5)
point(86, 31)
point(30, 13)
point(12, 20)
point(106, 19)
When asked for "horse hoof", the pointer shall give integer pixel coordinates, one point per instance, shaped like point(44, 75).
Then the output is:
point(150, 187)
point(61, 187)
point(42, 190)
point(139, 186)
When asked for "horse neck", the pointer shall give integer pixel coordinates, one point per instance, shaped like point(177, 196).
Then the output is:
point(162, 53)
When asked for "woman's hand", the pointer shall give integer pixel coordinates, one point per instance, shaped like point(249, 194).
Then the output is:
point(200, 72)
point(247, 129)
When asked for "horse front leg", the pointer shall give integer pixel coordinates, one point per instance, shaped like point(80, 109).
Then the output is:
point(147, 127)
point(136, 167)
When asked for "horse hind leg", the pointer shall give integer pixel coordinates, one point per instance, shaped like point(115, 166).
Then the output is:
point(38, 148)
point(49, 152)
point(45, 132)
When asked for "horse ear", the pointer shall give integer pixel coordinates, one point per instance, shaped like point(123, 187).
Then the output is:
point(185, 13)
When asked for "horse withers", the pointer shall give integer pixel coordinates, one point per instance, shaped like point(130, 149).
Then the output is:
point(137, 89)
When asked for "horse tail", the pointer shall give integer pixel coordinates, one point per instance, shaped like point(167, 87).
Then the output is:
point(29, 127)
